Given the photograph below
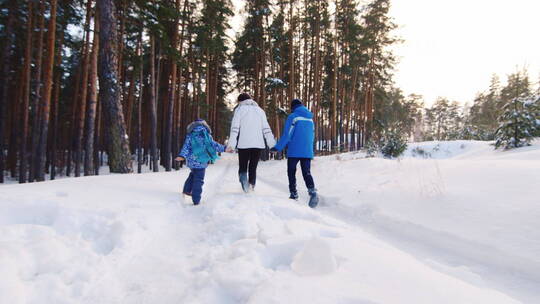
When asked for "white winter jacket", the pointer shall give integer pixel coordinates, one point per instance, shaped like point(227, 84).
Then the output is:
point(249, 127)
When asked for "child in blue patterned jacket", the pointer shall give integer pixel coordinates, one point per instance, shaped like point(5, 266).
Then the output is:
point(199, 149)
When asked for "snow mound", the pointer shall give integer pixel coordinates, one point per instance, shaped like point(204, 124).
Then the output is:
point(446, 149)
point(469, 149)
point(316, 258)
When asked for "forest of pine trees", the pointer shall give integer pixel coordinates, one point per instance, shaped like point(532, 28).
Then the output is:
point(88, 83)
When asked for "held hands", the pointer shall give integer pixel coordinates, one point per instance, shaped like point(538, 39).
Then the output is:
point(229, 150)
point(179, 159)
point(273, 149)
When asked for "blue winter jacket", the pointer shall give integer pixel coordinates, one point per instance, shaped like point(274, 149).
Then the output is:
point(298, 134)
point(195, 129)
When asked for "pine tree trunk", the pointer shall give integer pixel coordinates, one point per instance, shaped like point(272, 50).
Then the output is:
point(130, 101)
point(48, 77)
point(333, 133)
point(55, 112)
point(291, 52)
point(84, 91)
point(92, 106)
point(139, 106)
point(171, 97)
point(98, 146)
point(4, 82)
point(26, 96)
point(34, 106)
point(153, 108)
point(55, 108)
point(110, 91)
point(14, 133)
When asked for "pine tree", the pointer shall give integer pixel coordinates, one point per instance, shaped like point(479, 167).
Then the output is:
point(23, 155)
point(46, 102)
point(519, 123)
point(109, 89)
point(5, 79)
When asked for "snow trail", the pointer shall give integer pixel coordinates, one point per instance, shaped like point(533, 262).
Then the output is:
point(376, 238)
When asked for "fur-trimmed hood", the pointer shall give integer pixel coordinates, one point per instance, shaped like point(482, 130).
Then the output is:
point(197, 123)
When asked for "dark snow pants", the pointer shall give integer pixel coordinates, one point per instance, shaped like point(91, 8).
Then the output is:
point(305, 165)
point(194, 184)
point(249, 158)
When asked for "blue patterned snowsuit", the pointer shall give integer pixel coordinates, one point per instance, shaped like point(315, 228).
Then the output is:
point(195, 180)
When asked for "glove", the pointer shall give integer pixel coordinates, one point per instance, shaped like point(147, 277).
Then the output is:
point(273, 149)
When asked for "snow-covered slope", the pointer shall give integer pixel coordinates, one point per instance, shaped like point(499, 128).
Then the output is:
point(462, 228)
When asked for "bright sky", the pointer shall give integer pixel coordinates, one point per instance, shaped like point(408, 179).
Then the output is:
point(452, 48)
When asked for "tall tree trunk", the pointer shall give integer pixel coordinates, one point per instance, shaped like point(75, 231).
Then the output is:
point(333, 133)
point(98, 146)
point(291, 52)
point(4, 82)
point(48, 77)
point(55, 112)
point(110, 91)
point(139, 106)
point(172, 96)
point(130, 101)
point(15, 123)
point(56, 108)
point(153, 108)
point(84, 91)
point(26, 96)
point(34, 105)
point(92, 105)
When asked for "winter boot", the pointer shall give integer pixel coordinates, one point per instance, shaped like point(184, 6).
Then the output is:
point(313, 198)
point(294, 195)
point(244, 181)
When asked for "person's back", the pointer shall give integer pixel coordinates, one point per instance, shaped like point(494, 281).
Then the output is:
point(298, 136)
point(250, 133)
point(198, 150)
point(302, 133)
point(199, 147)
point(250, 127)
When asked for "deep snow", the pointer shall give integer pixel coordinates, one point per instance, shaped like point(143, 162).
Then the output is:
point(458, 227)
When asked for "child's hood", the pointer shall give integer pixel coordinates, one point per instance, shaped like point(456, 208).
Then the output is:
point(198, 125)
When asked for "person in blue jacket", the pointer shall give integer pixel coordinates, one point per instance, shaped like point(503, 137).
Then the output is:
point(298, 135)
point(199, 149)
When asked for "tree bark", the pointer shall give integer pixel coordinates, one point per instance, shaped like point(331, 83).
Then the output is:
point(4, 83)
point(46, 102)
point(92, 105)
point(26, 96)
point(56, 109)
point(291, 52)
point(84, 90)
point(110, 91)
point(34, 106)
point(153, 108)
point(139, 106)
point(171, 98)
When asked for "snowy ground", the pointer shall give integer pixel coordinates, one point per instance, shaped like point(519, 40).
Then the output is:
point(458, 227)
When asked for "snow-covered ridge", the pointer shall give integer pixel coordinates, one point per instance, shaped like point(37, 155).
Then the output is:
point(467, 149)
point(463, 229)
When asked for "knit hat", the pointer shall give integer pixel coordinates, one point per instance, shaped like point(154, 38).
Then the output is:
point(243, 96)
point(295, 104)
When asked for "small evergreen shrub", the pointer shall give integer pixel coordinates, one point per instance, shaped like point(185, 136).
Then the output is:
point(519, 123)
point(393, 144)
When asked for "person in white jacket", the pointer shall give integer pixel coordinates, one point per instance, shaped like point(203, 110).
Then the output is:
point(250, 134)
